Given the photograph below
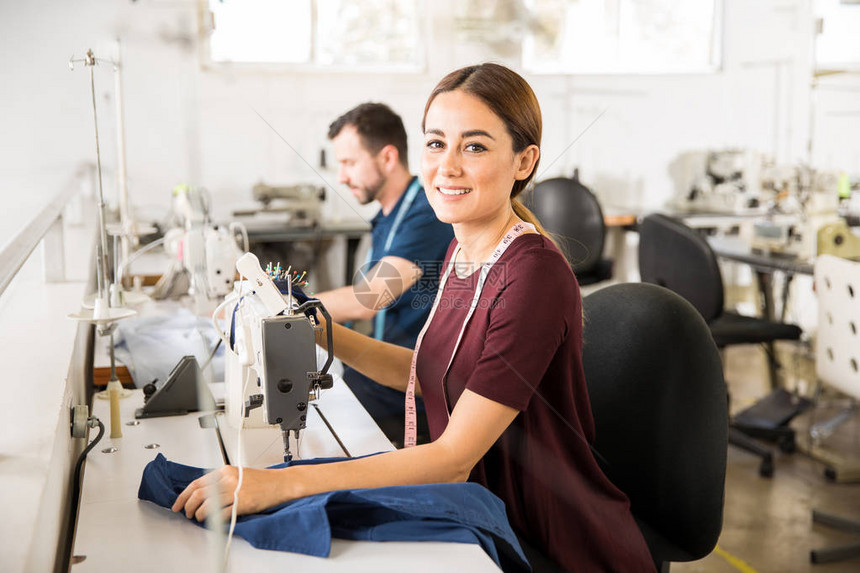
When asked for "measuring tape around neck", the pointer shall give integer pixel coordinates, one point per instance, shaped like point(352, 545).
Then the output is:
point(411, 432)
point(411, 193)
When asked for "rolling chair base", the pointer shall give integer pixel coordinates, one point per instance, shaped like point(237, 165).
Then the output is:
point(741, 440)
point(774, 411)
point(841, 552)
point(768, 419)
point(839, 466)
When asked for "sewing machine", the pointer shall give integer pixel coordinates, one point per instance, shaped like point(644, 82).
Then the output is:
point(271, 370)
point(293, 205)
point(204, 252)
point(742, 181)
point(720, 180)
point(775, 237)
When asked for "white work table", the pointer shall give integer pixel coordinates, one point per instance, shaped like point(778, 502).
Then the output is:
point(118, 532)
point(359, 434)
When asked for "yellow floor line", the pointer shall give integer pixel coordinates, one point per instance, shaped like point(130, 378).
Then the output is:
point(735, 562)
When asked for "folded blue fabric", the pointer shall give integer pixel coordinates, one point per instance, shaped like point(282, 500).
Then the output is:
point(459, 512)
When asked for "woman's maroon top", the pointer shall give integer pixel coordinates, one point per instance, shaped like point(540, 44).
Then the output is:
point(523, 348)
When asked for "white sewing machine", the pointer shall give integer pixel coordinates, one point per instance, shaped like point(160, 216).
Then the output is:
point(294, 205)
point(206, 252)
point(271, 371)
point(209, 256)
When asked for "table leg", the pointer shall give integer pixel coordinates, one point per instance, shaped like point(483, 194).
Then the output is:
point(765, 287)
point(785, 291)
point(351, 248)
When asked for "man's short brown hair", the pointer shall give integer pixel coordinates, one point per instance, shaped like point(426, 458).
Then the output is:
point(377, 125)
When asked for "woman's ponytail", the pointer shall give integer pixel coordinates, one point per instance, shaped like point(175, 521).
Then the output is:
point(524, 213)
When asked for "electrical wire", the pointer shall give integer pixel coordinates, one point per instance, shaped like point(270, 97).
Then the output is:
point(79, 464)
point(221, 334)
point(246, 242)
point(234, 510)
point(76, 483)
point(212, 354)
point(134, 256)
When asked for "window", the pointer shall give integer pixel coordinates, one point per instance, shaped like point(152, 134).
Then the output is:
point(260, 31)
point(838, 43)
point(622, 36)
point(369, 35)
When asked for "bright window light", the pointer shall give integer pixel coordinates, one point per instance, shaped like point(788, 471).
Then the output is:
point(261, 31)
point(368, 33)
point(838, 45)
point(623, 36)
point(372, 34)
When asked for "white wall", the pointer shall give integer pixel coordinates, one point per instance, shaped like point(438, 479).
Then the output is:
point(184, 124)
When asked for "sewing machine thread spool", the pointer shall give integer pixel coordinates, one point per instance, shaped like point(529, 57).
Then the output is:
point(100, 308)
point(114, 393)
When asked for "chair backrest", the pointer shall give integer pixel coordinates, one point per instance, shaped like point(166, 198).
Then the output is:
point(675, 256)
point(657, 393)
point(570, 211)
point(837, 350)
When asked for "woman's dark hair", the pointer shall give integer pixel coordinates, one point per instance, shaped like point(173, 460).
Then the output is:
point(511, 98)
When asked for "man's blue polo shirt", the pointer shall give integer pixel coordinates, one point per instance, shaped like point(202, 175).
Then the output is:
point(422, 239)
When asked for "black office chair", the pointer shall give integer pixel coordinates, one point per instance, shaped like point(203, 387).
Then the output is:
point(677, 257)
point(655, 381)
point(570, 211)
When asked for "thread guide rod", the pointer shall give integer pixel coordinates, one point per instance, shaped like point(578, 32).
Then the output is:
point(103, 278)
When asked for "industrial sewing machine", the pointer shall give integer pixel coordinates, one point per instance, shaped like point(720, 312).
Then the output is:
point(726, 180)
point(741, 181)
point(271, 372)
point(205, 253)
point(294, 205)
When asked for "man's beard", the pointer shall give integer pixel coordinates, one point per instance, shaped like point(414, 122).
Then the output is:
point(369, 194)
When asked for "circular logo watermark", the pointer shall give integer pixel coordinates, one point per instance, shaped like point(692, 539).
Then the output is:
point(383, 274)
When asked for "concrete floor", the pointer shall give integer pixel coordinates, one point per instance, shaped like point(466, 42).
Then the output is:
point(767, 524)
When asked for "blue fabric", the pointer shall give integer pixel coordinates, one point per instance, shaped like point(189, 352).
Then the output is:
point(459, 513)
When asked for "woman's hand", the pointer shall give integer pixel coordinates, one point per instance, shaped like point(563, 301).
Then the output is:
point(260, 490)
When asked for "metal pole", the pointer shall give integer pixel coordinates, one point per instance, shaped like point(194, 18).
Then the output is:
point(103, 276)
point(122, 177)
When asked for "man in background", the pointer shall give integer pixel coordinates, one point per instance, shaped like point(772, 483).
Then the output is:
point(396, 286)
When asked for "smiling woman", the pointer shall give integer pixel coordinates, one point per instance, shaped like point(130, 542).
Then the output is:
point(480, 152)
point(523, 351)
point(498, 362)
point(469, 161)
